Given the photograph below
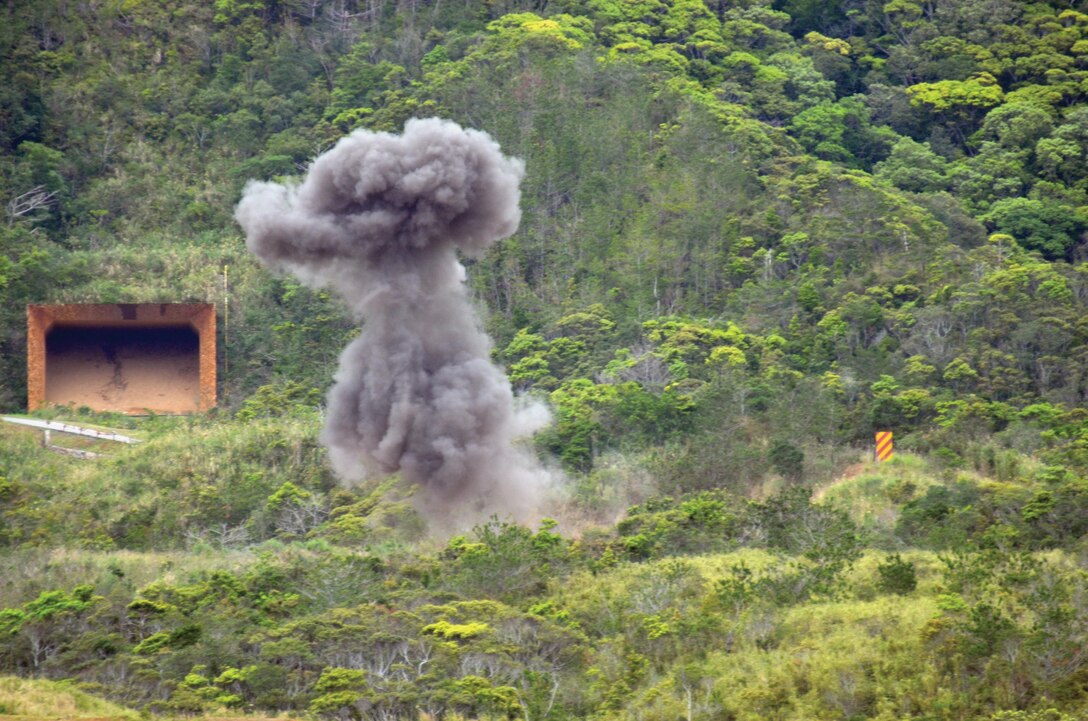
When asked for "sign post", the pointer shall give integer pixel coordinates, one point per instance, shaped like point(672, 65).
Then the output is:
point(884, 448)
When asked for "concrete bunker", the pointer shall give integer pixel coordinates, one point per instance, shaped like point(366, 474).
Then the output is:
point(127, 357)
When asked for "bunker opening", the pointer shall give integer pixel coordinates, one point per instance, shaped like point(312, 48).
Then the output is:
point(128, 358)
point(123, 370)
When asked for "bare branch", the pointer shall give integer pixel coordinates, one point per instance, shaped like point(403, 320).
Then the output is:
point(34, 199)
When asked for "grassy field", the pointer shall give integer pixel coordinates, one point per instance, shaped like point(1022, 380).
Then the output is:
point(41, 700)
point(23, 699)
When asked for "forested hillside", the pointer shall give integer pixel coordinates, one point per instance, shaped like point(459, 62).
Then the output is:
point(754, 232)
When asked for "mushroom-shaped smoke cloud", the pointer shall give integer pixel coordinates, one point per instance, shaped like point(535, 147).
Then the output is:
point(378, 218)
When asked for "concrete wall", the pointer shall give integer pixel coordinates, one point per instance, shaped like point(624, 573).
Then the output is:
point(126, 357)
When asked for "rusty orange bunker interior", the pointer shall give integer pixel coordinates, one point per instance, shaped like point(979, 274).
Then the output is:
point(131, 358)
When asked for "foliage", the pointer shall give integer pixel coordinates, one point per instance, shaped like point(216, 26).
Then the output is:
point(43, 698)
point(753, 234)
point(897, 576)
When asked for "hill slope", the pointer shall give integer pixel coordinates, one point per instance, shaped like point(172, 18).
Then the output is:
point(754, 233)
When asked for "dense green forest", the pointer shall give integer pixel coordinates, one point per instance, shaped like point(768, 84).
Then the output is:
point(754, 232)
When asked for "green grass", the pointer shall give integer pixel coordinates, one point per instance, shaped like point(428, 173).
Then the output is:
point(191, 474)
point(832, 660)
point(873, 492)
point(22, 698)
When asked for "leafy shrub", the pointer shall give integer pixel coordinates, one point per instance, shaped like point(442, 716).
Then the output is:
point(694, 523)
point(279, 399)
point(506, 561)
point(786, 459)
point(896, 575)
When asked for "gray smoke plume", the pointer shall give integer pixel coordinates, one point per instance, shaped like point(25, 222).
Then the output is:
point(379, 219)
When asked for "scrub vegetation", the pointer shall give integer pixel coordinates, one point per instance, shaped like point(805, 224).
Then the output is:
point(754, 233)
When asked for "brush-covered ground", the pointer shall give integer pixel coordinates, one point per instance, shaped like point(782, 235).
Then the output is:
point(216, 570)
point(754, 232)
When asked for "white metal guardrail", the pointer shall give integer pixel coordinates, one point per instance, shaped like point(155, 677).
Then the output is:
point(70, 428)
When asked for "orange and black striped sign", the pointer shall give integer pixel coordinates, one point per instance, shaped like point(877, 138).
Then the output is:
point(883, 445)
